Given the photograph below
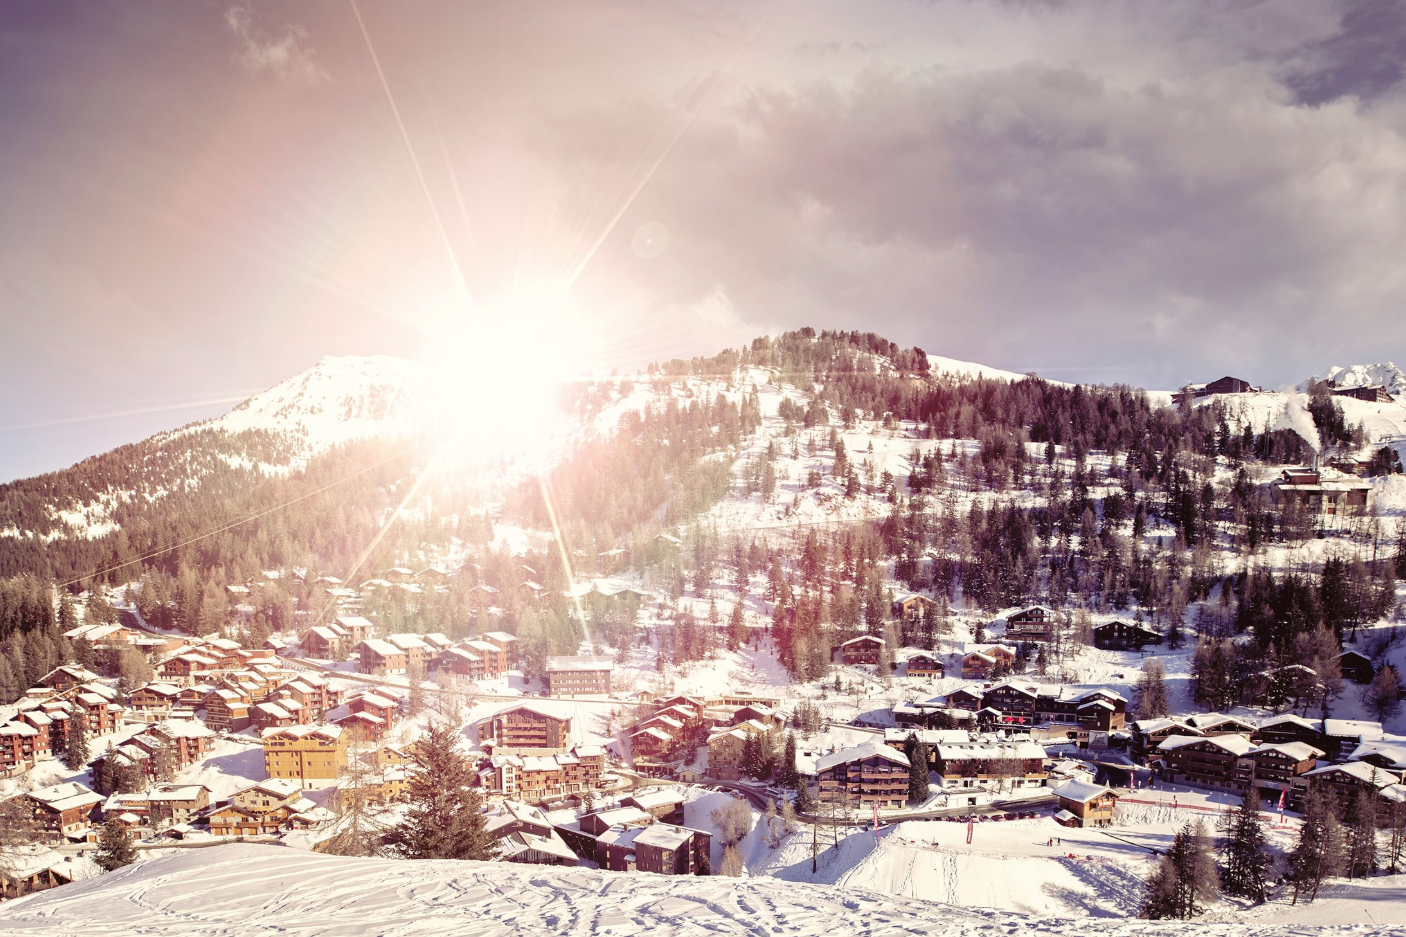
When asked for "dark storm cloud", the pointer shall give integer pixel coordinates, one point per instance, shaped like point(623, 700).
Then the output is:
point(1364, 58)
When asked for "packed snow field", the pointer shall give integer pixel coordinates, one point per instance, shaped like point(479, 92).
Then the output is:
point(243, 889)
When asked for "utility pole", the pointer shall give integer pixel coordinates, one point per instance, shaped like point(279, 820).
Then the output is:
point(814, 841)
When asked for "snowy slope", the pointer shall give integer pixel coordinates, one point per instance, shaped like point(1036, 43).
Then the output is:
point(970, 369)
point(245, 889)
point(1383, 374)
point(338, 400)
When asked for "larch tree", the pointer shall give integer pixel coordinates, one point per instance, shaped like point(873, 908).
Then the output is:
point(1319, 851)
point(1152, 691)
point(1246, 854)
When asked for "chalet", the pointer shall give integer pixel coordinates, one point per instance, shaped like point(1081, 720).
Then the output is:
point(66, 677)
point(1276, 765)
point(380, 658)
point(725, 749)
point(526, 726)
point(1345, 781)
point(417, 653)
point(1388, 755)
point(1148, 734)
point(865, 649)
point(867, 774)
point(538, 778)
point(270, 715)
point(605, 836)
point(383, 707)
point(20, 747)
point(169, 804)
point(461, 663)
point(507, 644)
point(153, 702)
point(1343, 735)
point(1373, 394)
point(926, 666)
point(897, 739)
point(185, 669)
point(524, 834)
point(227, 711)
point(304, 753)
point(989, 762)
point(652, 742)
point(981, 661)
point(911, 606)
point(579, 676)
point(1018, 703)
point(1321, 491)
point(1036, 623)
point(664, 804)
point(355, 627)
point(666, 849)
point(61, 811)
point(1085, 805)
point(1224, 385)
point(1124, 636)
point(325, 641)
point(1217, 762)
point(1210, 724)
point(1356, 666)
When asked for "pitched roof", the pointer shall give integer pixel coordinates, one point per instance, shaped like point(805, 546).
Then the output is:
point(859, 753)
point(1081, 791)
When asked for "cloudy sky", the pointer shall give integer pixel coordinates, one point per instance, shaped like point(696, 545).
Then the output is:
point(199, 199)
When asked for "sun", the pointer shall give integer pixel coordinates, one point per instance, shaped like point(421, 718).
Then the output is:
point(497, 370)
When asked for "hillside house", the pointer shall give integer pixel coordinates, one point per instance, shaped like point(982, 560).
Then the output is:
point(1326, 491)
point(61, 811)
point(1223, 385)
point(988, 763)
point(579, 676)
point(1356, 666)
point(1036, 623)
point(1085, 805)
point(1124, 636)
point(865, 649)
point(524, 834)
point(304, 753)
point(911, 606)
point(667, 849)
point(380, 658)
point(1219, 762)
point(980, 662)
point(526, 726)
point(867, 774)
point(924, 665)
point(1370, 394)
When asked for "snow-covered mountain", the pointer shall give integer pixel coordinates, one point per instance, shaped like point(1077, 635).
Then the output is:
point(240, 889)
point(1383, 374)
point(338, 400)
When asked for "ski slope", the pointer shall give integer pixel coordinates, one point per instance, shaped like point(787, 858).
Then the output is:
point(244, 889)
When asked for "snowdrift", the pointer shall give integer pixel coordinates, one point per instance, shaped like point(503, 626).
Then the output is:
point(243, 889)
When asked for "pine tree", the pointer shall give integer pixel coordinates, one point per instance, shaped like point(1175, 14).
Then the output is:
point(805, 800)
point(918, 779)
point(75, 752)
point(115, 846)
point(787, 775)
point(1247, 856)
point(1185, 877)
point(443, 819)
point(165, 760)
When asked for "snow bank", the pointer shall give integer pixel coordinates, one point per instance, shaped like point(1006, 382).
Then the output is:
point(244, 889)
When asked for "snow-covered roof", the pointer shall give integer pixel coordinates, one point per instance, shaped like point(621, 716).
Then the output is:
point(573, 664)
point(1235, 744)
point(1081, 791)
point(1362, 771)
point(860, 752)
point(664, 836)
point(1298, 751)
